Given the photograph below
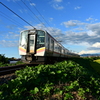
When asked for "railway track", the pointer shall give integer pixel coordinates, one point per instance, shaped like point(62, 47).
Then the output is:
point(11, 69)
point(7, 73)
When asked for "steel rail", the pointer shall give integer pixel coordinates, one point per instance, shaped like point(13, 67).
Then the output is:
point(10, 69)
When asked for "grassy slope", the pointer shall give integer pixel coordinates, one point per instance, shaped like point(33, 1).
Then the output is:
point(98, 61)
point(96, 65)
point(88, 63)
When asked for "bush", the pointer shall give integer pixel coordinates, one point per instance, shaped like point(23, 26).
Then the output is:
point(3, 59)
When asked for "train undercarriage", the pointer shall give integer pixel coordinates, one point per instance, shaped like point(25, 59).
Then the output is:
point(41, 59)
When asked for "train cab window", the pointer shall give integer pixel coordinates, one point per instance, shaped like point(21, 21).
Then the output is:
point(23, 39)
point(40, 39)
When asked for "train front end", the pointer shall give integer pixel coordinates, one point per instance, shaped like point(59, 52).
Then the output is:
point(32, 45)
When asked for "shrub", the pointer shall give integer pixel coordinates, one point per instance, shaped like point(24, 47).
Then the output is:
point(3, 59)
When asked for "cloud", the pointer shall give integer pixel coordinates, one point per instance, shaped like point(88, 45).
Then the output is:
point(94, 48)
point(78, 7)
point(79, 29)
point(95, 28)
point(57, 6)
point(12, 35)
point(50, 19)
point(91, 19)
point(58, 0)
point(11, 27)
point(55, 31)
point(70, 23)
point(6, 43)
point(28, 27)
point(89, 52)
point(76, 37)
point(32, 4)
point(9, 39)
point(97, 45)
point(38, 26)
point(90, 32)
point(20, 10)
point(80, 37)
point(13, 0)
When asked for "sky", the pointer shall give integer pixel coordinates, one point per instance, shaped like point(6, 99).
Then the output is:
point(75, 23)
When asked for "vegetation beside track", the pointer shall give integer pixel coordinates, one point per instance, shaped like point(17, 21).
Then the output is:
point(67, 80)
point(7, 64)
point(92, 63)
point(96, 65)
point(98, 61)
point(4, 61)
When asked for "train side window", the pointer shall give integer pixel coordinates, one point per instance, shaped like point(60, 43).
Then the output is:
point(59, 49)
point(52, 45)
point(56, 47)
point(48, 43)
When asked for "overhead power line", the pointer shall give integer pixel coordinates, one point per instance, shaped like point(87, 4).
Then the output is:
point(32, 12)
point(16, 14)
point(39, 13)
point(28, 13)
point(11, 19)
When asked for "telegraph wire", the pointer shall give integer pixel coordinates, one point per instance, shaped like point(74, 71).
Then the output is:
point(32, 12)
point(9, 18)
point(39, 13)
point(29, 13)
point(16, 14)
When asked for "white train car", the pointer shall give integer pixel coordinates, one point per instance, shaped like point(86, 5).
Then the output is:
point(38, 45)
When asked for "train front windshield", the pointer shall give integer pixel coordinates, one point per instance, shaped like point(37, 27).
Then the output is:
point(23, 39)
point(27, 42)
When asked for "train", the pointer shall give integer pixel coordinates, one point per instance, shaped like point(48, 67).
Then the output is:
point(37, 45)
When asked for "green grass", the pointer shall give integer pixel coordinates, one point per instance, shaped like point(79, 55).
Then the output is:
point(98, 61)
point(89, 63)
point(96, 65)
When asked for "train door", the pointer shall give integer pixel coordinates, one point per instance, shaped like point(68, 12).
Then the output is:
point(31, 47)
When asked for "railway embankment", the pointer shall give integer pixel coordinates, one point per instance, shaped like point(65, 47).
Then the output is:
point(74, 79)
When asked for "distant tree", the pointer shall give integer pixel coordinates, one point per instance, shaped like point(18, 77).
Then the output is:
point(4, 59)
